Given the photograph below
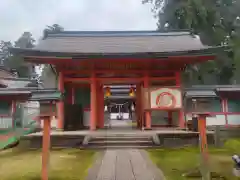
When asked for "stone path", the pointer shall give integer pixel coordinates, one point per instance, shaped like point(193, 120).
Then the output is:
point(120, 123)
point(125, 164)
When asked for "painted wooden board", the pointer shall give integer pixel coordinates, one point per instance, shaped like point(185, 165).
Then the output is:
point(165, 98)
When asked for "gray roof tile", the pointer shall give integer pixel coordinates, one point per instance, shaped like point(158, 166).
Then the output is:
point(120, 42)
point(200, 93)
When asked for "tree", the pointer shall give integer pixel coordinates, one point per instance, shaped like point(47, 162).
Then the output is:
point(55, 28)
point(214, 21)
point(4, 52)
point(23, 69)
point(25, 41)
point(47, 69)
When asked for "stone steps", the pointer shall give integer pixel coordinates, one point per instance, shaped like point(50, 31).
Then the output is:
point(119, 141)
point(130, 139)
point(118, 147)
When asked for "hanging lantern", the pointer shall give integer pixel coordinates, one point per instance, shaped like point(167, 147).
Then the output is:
point(131, 92)
point(108, 92)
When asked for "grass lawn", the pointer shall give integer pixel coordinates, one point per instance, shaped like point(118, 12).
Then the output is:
point(175, 162)
point(65, 164)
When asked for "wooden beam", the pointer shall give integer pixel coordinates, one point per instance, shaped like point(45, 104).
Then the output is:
point(130, 71)
point(172, 59)
point(119, 79)
point(161, 78)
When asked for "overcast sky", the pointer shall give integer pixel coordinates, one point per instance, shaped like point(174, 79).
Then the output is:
point(17, 16)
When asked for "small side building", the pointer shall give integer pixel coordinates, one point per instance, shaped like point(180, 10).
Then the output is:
point(10, 80)
point(222, 102)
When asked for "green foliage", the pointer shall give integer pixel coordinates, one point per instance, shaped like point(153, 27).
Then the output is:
point(217, 23)
point(55, 28)
point(4, 53)
point(176, 162)
point(233, 145)
point(17, 63)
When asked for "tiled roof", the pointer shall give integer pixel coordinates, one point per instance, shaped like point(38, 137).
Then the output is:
point(17, 82)
point(46, 95)
point(209, 90)
point(118, 42)
point(31, 94)
point(12, 94)
point(200, 93)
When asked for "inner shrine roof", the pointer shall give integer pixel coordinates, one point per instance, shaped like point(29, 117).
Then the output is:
point(97, 44)
point(13, 94)
point(30, 94)
point(207, 91)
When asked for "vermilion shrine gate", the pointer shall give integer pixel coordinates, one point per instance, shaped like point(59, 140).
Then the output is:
point(150, 60)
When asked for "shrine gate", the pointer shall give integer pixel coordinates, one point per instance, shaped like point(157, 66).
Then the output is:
point(85, 61)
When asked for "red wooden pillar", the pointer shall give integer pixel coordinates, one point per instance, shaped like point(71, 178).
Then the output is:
point(147, 113)
point(45, 146)
point(60, 104)
point(93, 113)
point(225, 108)
point(97, 106)
point(181, 112)
point(101, 107)
point(138, 105)
point(203, 144)
point(14, 105)
point(203, 134)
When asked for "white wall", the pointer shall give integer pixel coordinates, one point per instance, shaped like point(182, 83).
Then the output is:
point(233, 119)
point(5, 122)
point(211, 121)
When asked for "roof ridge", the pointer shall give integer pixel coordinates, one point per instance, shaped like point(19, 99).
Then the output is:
point(210, 87)
point(116, 33)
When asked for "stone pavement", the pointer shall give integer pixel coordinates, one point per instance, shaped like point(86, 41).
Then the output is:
point(124, 164)
point(120, 123)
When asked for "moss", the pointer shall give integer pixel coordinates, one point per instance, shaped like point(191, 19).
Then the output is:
point(175, 162)
point(232, 145)
point(64, 164)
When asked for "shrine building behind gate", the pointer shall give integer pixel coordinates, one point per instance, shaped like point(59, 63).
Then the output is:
point(85, 61)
